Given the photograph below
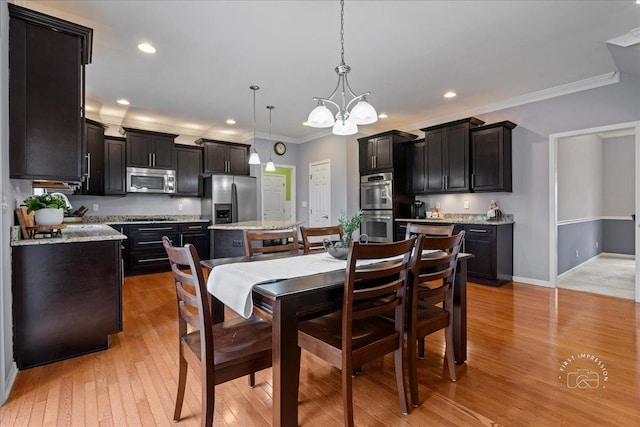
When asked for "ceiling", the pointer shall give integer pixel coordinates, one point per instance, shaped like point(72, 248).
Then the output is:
point(407, 53)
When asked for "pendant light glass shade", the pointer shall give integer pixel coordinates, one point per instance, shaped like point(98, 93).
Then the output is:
point(270, 166)
point(364, 113)
point(346, 122)
point(347, 127)
point(254, 159)
point(320, 117)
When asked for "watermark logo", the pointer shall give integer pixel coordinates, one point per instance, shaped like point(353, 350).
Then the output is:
point(584, 376)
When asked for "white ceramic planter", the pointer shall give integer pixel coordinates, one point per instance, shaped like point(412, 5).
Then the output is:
point(49, 216)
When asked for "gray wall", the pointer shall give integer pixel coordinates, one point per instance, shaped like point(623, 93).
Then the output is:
point(577, 243)
point(619, 236)
point(619, 170)
point(580, 177)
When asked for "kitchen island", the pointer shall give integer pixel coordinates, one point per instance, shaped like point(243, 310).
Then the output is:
point(227, 239)
point(66, 293)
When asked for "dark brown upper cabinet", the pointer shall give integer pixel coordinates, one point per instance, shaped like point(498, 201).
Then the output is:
point(47, 56)
point(225, 157)
point(115, 166)
point(384, 151)
point(147, 149)
point(95, 161)
point(188, 171)
point(445, 158)
point(491, 157)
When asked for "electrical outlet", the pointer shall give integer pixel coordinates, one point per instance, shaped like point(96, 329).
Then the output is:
point(96, 207)
point(179, 206)
point(237, 243)
point(577, 254)
point(596, 245)
point(304, 204)
point(466, 204)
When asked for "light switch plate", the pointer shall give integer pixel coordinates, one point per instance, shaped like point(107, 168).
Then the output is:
point(466, 204)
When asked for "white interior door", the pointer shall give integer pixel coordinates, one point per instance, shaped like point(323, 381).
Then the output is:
point(273, 196)
point(320, 194)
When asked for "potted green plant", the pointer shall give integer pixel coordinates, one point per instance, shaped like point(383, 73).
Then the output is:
point(48, 208)
point(341, 249)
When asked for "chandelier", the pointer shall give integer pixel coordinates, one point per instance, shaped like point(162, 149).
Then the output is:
point(346, 122)
point(254, 159)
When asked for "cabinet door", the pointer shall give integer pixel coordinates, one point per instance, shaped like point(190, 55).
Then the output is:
point(139, 148)
point(433, 163)
point(199, 240)
point(383, 152)
point(163, 152)
point(480, 242)
point(457, 158)
point(114, 166)
point(416, 167)
point(215, 158)
point(45, 125)
point(237, 158)
point(366, 155)
point(491, 159)
point(188, 171)
point(94, 182)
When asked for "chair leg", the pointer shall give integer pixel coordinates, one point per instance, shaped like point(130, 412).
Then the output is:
point(347, 396)
point(402, 390)
point(252, 379)
point(208, 397)
point(182, 381)
point(413, 369)
point(421, 348)
point(448, 338)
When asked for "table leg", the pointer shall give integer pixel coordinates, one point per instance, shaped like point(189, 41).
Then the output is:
point(286, 363)
point(460, 313)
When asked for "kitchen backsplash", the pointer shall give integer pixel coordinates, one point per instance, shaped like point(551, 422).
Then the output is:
point(137, 204)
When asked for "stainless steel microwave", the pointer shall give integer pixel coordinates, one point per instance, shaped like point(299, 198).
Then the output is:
point(144, 180)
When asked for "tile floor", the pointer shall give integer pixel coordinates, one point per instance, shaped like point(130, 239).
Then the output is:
point(605, 275)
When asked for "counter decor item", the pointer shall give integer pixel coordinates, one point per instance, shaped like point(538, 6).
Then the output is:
point(48, 208)
point(340, 249)
point(494, 211)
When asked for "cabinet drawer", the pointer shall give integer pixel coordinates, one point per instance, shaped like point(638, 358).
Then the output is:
point(153, 240)
point(193, 227)
point(156, 260)
point(480, 230)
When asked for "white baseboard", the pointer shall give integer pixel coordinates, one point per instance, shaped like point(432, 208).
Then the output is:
point(11, 378)
point(528, 281)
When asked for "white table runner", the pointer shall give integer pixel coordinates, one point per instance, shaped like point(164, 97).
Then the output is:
point(232, 283)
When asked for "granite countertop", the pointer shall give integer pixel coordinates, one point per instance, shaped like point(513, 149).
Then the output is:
point(462, 219)
point(257, 225)
point(74, 233)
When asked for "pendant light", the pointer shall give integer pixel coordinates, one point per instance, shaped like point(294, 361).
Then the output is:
point(254, 159)
point(345, 123)
point(270, 166)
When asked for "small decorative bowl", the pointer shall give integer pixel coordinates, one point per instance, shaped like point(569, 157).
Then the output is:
point(336, 249)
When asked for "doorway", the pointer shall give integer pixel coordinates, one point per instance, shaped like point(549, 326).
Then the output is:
point(278, 202)
point(554, 140)
point(320, 193)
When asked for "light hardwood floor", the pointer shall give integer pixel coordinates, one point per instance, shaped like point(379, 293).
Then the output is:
point(518, 336)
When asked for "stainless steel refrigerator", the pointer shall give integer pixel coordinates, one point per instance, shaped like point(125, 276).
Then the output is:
point(229, 198)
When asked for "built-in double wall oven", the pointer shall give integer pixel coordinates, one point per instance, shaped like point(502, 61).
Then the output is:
point(376, 202)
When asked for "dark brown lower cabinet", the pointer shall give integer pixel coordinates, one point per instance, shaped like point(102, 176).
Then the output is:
point(66, 300)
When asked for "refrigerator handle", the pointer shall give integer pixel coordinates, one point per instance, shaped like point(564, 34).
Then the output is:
point(234, 203)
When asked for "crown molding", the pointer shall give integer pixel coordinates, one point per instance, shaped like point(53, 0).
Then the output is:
point(541, 95)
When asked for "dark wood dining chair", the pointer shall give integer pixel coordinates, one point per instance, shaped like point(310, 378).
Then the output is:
point(270, 242)
point(428, 230)
point(334, 231)
point(357, 334)
point(431, 299)
point(216, 352)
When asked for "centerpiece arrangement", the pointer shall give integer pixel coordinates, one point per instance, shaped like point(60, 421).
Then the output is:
point(49, 208)
point(341, 248)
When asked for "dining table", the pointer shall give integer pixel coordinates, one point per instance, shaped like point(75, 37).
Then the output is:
point(285, 301)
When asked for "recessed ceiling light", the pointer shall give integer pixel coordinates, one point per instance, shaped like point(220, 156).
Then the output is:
point(305, 124)
point(147, 48)
point(228, 132)
point(382, 116)
point(450, 95)
point(123, 101)
point(231, 122)
point(145, 119)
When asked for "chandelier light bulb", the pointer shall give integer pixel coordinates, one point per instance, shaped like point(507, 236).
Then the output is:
point(346, 127)
point(320, 117)
point(364, 113)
